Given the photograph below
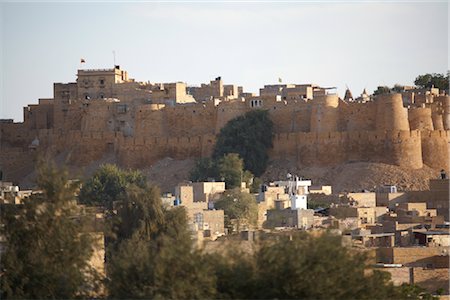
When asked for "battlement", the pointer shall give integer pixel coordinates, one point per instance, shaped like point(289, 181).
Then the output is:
point(154, 121)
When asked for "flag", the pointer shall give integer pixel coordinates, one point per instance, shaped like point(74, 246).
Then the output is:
point(279, 80)
point(82, 61)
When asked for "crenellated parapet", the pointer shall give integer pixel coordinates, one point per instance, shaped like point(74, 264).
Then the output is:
point(323, 130)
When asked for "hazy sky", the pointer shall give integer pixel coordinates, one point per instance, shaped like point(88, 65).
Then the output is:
point(359, 44)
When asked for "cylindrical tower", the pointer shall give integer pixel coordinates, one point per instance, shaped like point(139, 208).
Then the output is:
point(445, 103)
point(324, 113)
point(420, 118)
point(437, 121)
point(391, 115)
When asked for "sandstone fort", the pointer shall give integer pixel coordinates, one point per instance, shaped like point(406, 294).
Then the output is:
point(107, 113)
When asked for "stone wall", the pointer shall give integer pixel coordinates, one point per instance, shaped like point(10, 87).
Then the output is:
point(401, 148)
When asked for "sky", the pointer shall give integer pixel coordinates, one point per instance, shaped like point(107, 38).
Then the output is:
point(354, 43)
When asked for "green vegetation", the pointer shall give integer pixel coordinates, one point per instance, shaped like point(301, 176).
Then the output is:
point(46, 252)
point(108, 184)
point(150, 254)
point(250, 136)
point(304, 267)
point(382, 90)
point(229, 168)
point(241, 150)
point(239, 206)
point(436, 80)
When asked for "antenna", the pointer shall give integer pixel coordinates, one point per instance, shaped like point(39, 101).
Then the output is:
point(114, 57)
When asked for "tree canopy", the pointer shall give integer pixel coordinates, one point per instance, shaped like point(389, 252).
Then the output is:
point(250, 136)
point(228, 168)
point(436, 80)
point(47, 254)
point(239, 206)
point(108, 184)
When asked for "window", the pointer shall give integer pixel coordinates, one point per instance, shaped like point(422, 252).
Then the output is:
point(102, 81)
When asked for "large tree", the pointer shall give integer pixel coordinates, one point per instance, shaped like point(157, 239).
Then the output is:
point(436, 80)
point(159, 261)
point(250, 136)
point(239, 206)
point(108, 184)
point(47, 254)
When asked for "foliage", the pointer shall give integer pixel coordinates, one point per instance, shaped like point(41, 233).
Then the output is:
point(382, 90)
point(304, 267)
point(250, 136)
point(108, 184)
point(290, 270)
point(229, 168)
point(436, 80)
point(397, 88)
point(160, 265)
point(255, 187)
point(139, 211)
point(239, 206)
point(235, 273)
point(46, 252)
point(205, 168)
point(324, 201)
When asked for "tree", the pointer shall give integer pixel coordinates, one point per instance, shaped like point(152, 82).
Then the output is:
point(46, 252)
point(436, 80)
point(205, 168)
point(162, 265)
point(289, 269)
point(250, 136)
point(139, 211)
point(382, 90)
point(239, 206)
point(230, 169)
point(108, 184)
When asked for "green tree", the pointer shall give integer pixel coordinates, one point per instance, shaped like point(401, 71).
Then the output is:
point(289, 269)
point(239, 206)
point(382, 90)
point(205, 168)
point(140, 211)
point(230, 169)
point(163, 265)
point(108, 184)
point(436, 80)
point(255, 186)
point(250, 136)
point(47, 253)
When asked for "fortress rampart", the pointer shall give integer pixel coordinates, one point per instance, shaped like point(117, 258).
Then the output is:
point(138, 131)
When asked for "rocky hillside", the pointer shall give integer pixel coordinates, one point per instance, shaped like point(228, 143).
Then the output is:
point(168, 172)
point(355, 176)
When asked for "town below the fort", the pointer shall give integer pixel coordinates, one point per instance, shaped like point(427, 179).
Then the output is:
point(118, 137)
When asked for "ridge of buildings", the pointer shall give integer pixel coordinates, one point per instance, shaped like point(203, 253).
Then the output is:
point(107, 112)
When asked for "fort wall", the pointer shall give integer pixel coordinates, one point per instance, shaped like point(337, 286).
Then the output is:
point(325, 113)
point(435, 150)
point(324, 131)
point(357, 116)
point(420, 118)
point(401, 148)
point(391, 115)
